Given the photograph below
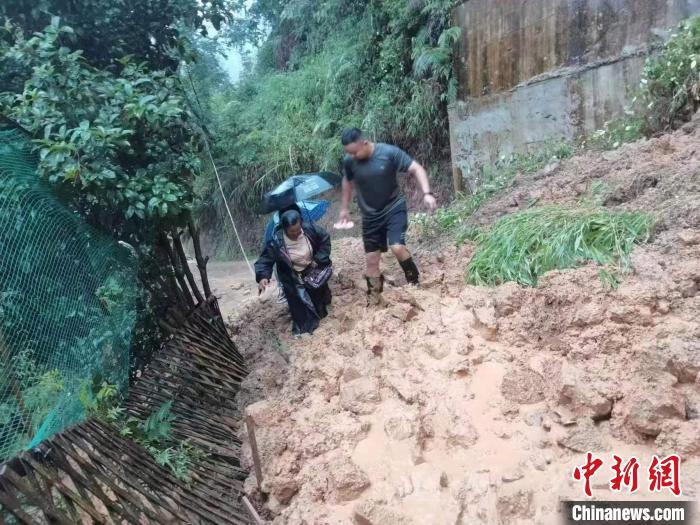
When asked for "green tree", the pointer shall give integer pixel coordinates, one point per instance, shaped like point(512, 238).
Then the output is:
point(150, 31)
point(321, 66)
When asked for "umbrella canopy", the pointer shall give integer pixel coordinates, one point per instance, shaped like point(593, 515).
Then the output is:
point(310, 211)
point(299, 188)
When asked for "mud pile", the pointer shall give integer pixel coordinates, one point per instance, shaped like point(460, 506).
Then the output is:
point(465, 405)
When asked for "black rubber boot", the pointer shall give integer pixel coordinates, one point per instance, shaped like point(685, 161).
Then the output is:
point(375, 287)
point(410, 270)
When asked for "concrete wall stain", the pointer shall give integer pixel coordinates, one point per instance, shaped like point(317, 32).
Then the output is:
point(506, 42)
point(535, 70)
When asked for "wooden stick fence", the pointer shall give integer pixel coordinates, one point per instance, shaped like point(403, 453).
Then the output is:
point(90, 474)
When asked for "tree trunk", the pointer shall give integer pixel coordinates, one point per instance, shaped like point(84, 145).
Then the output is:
point(201, 261)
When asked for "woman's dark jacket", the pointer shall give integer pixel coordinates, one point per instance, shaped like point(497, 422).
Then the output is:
point(306, 306)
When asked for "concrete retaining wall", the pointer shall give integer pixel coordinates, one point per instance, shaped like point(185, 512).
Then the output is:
point(536, 70)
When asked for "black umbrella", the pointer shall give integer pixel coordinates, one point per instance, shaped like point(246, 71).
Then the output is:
point(298, 188)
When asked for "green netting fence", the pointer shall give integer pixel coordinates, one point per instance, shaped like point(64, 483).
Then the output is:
point(68, 297)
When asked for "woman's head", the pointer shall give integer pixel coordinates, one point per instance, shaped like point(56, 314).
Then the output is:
point(291, 223)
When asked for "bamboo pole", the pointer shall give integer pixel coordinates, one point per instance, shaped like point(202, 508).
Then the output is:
point(250, 425)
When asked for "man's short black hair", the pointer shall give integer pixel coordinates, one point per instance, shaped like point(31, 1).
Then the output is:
point(351, 135)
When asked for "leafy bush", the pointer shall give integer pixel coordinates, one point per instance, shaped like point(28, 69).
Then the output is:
point(525, 245)
point(154, 433)
point(671, 80)
point(669, 92)
point(120, 143)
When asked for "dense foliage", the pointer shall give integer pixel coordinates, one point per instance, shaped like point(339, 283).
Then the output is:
point(671, 80)
point(121, 143)
point(322, 66)
point(154, 32)
point(115, 138)
point(112, 129)
point(669, 93)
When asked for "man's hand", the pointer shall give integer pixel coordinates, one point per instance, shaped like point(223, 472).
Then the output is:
point(344, 216)
point(262, 285)
point(429, 201)
point(314, 264)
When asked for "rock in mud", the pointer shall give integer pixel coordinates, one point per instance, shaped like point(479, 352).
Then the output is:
point(518, 504)
point(513, 475)
point(461, 432)
point(583, 436)
point(399, 428)
point(579, 394)
point(472, 494)
point(689, 237)
point(404, 312)
point(360, 396)
point(263, 414)
point(404, 487)
point(402, 386)
point(485, 322)
point(282, 489)
point(479, 356)
point(435, 350)
point(523, 386)
point(349, 481)
point(688, 288)
point(373, 512)
point(630, 315)
point(350, 373)
point(588, 314)
point(462, 368)
point(679, 437)
point(684, 359)
point(663, 307)
point(649, 407)
point(434, 281)
point(542, 460)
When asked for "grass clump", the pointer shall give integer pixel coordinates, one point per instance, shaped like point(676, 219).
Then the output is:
point(492, 180)
point(525, 245)
point(615, 133)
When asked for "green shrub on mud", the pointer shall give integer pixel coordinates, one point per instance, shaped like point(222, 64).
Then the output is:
point(493, 179)
point(669, 92)
point(525, 245)
point(671, 79)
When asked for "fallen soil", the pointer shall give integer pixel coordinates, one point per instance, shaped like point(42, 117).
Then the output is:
point(456, 404)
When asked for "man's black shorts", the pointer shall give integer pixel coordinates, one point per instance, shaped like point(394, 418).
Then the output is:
point(386, 228)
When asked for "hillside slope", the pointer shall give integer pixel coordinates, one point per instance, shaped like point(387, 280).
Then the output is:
point(467, 405)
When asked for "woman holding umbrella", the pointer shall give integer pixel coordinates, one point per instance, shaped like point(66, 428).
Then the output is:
point(301, 252)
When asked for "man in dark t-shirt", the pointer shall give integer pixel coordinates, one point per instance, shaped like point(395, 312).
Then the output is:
point(372, 169)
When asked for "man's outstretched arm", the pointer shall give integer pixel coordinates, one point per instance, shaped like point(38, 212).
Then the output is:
point(421, 176)
point(345, 206)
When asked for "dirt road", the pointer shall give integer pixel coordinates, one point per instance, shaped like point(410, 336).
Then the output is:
point(233, 285)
